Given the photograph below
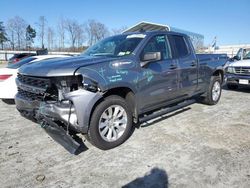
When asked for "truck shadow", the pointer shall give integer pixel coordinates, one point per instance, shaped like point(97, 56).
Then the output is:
point(155, 178)
point(9, 101)
point(163, 117)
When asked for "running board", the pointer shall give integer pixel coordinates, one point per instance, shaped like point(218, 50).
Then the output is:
point(166, 110)
point(60, 136)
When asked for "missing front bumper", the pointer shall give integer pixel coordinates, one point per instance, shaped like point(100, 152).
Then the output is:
point(60, 118)
point(82, 105)
point(62, 137)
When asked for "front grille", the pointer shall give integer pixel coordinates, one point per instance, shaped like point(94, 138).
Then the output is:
point(30, 96)
point(242, 70)
point(34, 81)
point(35, 88)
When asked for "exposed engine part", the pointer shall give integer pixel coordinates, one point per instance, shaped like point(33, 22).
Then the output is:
point(89, 85)
point(60, 111)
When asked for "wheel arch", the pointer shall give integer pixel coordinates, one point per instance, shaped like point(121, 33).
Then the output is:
point(124, 92)
point(219, 72)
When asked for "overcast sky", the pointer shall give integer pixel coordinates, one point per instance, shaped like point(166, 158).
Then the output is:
point(229, 20)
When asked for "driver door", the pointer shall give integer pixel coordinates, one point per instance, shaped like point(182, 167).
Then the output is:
point(159, 78)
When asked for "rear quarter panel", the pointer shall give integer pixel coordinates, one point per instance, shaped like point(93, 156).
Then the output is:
point(208, 64)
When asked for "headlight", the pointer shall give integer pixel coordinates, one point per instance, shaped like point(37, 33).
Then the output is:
point(67, 84)
point(230, 70)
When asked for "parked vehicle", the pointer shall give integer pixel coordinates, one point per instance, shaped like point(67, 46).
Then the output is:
point(120, 81)
point(8, 88)
point(17, 57)
point(238, 71)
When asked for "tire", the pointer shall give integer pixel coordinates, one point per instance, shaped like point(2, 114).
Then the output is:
point(214, 91)
point(111, 123)
point(232, 86)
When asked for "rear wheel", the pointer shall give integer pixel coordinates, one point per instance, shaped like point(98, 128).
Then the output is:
point(111, 123)
point(214, 91)
point(232, 86)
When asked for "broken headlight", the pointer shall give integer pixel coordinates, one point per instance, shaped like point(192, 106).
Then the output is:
point(89, 84)
point(67, 84)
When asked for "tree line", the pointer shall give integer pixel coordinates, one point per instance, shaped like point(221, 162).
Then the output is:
point(67, 35)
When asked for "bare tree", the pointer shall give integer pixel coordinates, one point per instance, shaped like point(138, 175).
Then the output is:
point(50, 38)
point(11, 33)
point(119, 30)
point(41, 29)
point(80, 37)
point(96, 31)
point(3, 35)
point(21, 26)
point(72, 27)
point(198, 42)
point(61, 32)
point(16, 28)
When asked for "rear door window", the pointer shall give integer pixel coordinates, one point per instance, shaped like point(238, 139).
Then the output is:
point(179, 46)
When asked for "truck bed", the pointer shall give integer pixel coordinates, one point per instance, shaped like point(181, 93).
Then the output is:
point(211, 57)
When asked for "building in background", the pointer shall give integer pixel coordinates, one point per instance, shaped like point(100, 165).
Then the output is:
point(230, 50)
point(197, 39)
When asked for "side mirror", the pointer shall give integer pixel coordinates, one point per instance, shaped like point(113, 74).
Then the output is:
point(236, 58)
point(149, 57)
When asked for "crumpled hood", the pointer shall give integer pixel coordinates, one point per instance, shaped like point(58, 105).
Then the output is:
point(61, 66)
point(241, 63)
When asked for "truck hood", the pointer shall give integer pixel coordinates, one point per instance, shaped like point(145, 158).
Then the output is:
point(60, 67)
point(241, 63)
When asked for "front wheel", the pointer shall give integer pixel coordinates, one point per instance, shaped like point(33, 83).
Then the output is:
point(214, 91)
point(111, 123)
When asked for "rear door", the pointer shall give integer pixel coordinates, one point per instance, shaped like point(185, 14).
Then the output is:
point(183, 52)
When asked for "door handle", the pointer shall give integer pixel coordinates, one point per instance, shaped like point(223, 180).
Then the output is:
point(193, 63)
point(172, 66)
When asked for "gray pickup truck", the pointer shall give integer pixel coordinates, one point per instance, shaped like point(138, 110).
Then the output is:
point(116, 84)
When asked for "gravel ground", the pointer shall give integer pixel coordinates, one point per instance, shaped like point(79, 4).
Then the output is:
point(200, 146)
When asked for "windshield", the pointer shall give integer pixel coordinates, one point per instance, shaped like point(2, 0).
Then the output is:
point(20, 63)
point(115, 46)
point(243, 53)
point(246, 54)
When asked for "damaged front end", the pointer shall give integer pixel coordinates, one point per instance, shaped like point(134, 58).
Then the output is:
point(62, 105)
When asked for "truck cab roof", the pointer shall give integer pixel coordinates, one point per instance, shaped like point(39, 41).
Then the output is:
point(154, 33)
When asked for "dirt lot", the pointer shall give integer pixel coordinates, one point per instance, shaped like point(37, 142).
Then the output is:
point(202, 146)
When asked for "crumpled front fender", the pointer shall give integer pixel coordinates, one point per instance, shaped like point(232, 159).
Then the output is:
point(83, 102)
point(94, 75)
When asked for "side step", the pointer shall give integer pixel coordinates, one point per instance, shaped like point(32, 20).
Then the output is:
point(60, 136)
point(167, 110)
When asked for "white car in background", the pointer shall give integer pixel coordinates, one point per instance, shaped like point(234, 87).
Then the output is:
point(238, 71)
point(8, 88)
